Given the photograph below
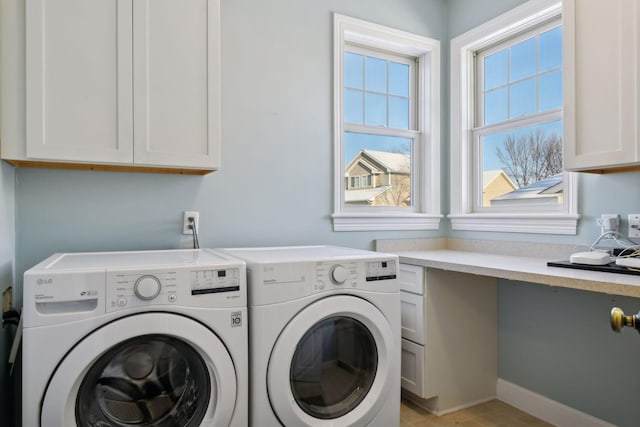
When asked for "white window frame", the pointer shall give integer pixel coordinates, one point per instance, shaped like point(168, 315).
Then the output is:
point(562, 220)
point(425, 155)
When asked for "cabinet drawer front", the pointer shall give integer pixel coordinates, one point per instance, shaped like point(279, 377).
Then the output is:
point(411, 370)
point(411, 278)
point(412, 316)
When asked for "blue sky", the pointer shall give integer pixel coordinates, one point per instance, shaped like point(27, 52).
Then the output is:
point(518, 81)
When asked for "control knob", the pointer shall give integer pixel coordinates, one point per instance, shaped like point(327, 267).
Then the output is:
point(147, 288)
point(338, 274)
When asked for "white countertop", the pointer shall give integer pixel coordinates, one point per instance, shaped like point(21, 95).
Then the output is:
point(526, 269)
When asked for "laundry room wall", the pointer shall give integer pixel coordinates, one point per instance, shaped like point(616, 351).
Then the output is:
point(275, 186)
point(557, 342)
point(7, 247)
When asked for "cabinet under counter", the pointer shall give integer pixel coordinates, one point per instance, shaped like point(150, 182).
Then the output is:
point(449, 345)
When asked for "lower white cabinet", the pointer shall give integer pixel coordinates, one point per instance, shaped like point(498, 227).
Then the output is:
point(449, 338)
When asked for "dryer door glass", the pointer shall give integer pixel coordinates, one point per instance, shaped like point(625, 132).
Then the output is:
point(333, 367)
point(147, 380)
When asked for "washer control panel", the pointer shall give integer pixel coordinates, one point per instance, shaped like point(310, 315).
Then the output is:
point(215, 281)
point(130, 289)
point(380, 270)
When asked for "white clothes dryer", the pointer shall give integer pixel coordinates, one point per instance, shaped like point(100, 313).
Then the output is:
point(146, 338)
point(324, 336)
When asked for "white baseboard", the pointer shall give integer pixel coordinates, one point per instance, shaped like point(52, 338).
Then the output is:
point(544, 408)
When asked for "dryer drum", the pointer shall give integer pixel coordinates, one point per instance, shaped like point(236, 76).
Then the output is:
point(333, 367)
point(151, 380)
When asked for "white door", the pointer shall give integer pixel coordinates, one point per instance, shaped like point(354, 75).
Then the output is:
point(177, 83)
point(78, 80)
point(331, 364)
point(156, 369)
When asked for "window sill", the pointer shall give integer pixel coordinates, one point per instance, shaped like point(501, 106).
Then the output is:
point(384, 222)
point(516, 223)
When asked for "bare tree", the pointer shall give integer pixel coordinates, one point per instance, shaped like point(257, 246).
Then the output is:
point(399, 193)
point(531, 157)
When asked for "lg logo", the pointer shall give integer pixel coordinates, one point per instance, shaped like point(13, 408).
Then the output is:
point(44, 281)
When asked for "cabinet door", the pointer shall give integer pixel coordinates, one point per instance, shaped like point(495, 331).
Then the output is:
point(412, 317)
point(412, 368)
point(176, 83)
point(600, 84)
point(78, 63)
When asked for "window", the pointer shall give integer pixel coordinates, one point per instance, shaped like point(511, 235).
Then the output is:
point(506, 125)
point(355, 182)
point(386, 102)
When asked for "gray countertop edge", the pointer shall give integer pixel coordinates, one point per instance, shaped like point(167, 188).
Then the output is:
point(525, 269)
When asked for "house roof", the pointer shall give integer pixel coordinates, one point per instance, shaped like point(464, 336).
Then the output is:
point(391, 162)
point(548, 188)
point(364, 195)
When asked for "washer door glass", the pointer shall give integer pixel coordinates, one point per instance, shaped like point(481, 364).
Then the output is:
point(333, 367)
point(151, 380)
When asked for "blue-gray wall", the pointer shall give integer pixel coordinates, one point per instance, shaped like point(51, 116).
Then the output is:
point(558, 343)
point(275, 188)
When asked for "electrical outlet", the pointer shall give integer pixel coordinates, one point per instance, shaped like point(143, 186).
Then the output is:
point(609, 222)
point(634, 226)
point(185, 221)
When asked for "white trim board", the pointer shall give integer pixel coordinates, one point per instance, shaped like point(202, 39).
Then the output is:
point(544, 408)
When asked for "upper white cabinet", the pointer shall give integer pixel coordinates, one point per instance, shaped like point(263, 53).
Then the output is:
point(131, 83)
point(601, 85)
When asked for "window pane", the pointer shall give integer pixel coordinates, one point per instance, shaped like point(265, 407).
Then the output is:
point(522, 99)
point(353, 106)
point(398, 113)
point(375, 110)
point(387, 160)
point(551, 91)
point(551, 50)
point(353, 71)
point(398, 79)
point(495, 70)
point(495, 106)
point(523, 60)
point(523, 166)
point(375, 74)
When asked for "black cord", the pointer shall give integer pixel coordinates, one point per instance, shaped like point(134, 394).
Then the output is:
point(194, 231)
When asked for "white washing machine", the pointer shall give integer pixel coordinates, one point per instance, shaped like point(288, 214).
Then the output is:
point(324, 336)
point(149, 338)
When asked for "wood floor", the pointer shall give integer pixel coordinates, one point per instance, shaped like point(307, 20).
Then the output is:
point(491, 414)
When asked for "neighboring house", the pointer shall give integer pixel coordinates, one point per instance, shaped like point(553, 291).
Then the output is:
point(495, 183)
point(547, 190)
point(378, 178)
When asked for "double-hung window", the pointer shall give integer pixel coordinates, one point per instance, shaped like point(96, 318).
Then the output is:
point(506, 125)
point(386, 104)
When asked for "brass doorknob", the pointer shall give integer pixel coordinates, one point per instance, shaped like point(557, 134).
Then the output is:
point(619, 320)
